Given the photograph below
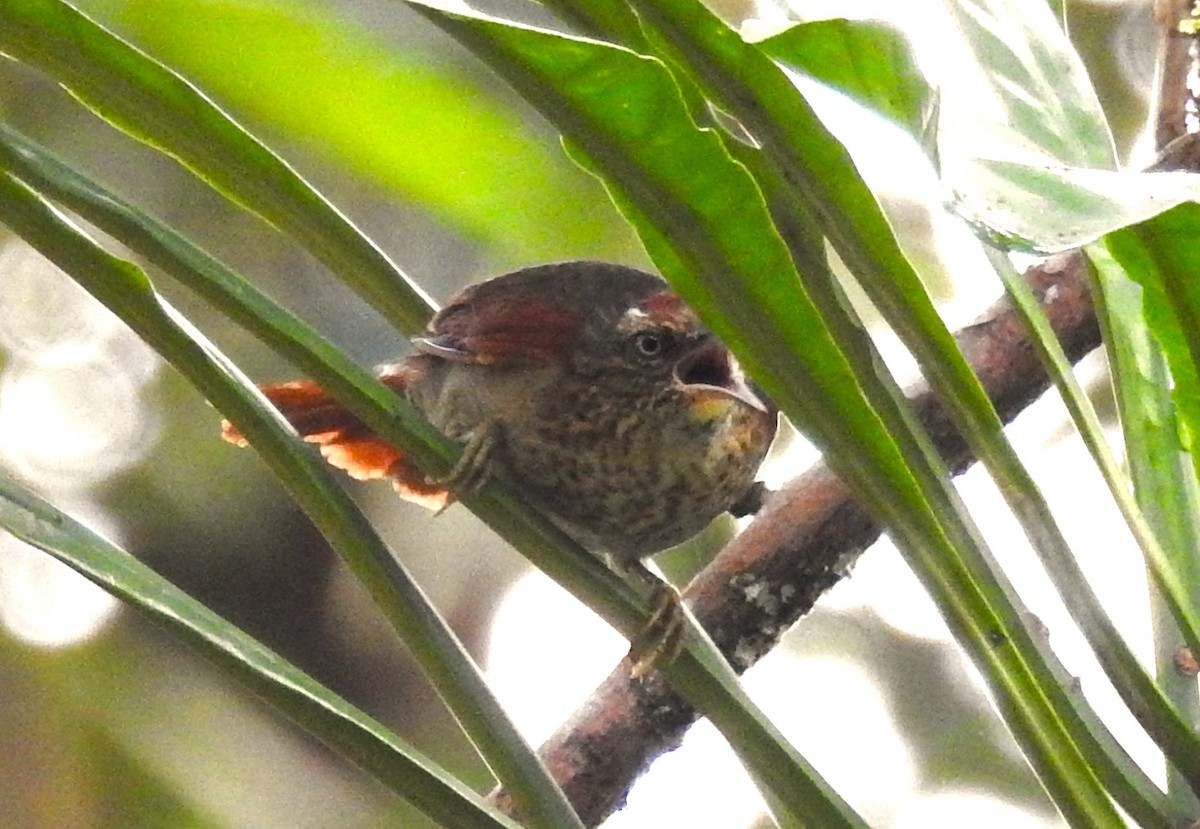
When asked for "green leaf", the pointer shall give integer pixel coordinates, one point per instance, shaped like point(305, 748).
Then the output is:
point(339, 724)
point(416, 122)
point(153, 104)
point(1163, 721)
point(1164, 482)
point(1046, 99)
point(868, 61)
point(1047, 208)
point(1161, 256)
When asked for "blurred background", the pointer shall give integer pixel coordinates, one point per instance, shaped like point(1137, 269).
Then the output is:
point(106, 722)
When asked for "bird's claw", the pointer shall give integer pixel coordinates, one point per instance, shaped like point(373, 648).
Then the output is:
point(473, 468)
point(658, 643)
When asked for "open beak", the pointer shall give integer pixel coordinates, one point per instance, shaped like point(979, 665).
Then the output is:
point(711, 369)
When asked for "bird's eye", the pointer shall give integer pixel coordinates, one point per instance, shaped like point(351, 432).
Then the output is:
point(649, 344)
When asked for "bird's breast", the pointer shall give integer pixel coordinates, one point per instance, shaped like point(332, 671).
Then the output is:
point(633, 480)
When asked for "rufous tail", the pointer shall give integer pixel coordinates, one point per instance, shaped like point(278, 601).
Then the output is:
point(345, 441)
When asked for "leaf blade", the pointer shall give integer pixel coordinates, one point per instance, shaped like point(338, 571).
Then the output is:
point(870, 62)
point(153, 104)
point(338, 723)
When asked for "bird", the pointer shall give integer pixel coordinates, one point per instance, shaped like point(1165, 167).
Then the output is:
point(589, 388)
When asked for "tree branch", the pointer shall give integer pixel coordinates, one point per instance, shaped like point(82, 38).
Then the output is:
point(1175, 105)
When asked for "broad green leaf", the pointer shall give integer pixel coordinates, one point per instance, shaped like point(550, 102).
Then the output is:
point(155, 105)
point(1045, 97)
point(603, 19)
point(414, 121)
point(127, 292)
point(1048, 208)
point(868, 61)
point(339, 724)
point(1162, 257)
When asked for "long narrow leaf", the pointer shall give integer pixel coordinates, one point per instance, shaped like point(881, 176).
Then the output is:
point(125, 290)
point(1169, 729)
point(153, 104)
point(336, 722)
point(1164, 483)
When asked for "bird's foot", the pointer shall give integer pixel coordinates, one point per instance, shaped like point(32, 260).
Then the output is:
point(473, 468)
point(658, 643)
point(752, 500)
